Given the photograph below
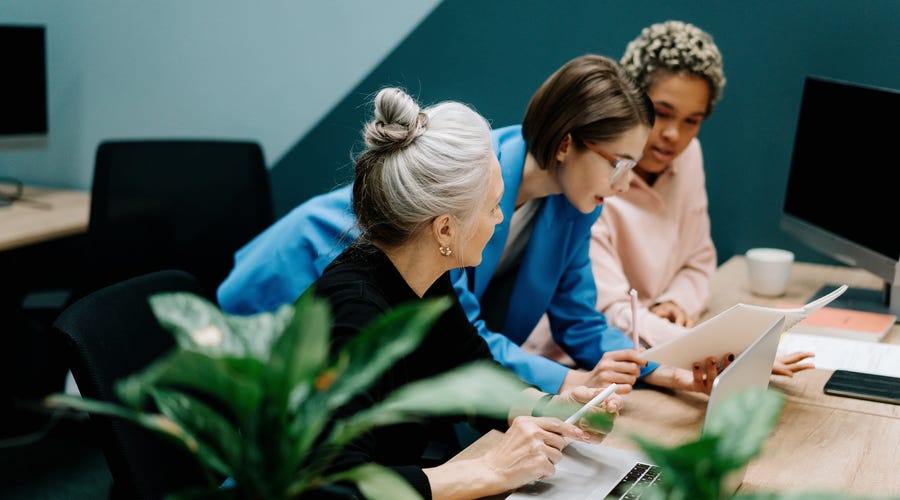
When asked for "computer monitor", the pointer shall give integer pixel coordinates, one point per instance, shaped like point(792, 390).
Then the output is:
point(23, 87)
point(840, 200)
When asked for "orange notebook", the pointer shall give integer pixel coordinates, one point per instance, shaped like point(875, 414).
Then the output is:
point(846, 323)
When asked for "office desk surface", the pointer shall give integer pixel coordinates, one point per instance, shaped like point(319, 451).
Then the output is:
point(43, 214)
point(821, 442)
point(730, 284)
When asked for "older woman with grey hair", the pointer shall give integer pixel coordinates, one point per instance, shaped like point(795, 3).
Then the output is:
point(425, 196)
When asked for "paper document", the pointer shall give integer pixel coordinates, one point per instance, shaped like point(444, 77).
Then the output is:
point(730, 331)
point(845, 354)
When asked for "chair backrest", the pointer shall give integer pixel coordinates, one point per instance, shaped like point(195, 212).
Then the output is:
point(174, 204)
point(110, 334)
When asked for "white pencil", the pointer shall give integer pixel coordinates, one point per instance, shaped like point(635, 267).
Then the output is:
point(592, 403)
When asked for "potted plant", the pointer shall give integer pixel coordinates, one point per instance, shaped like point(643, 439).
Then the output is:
point(252, 397)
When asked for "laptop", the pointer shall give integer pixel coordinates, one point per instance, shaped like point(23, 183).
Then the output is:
point(597, 471)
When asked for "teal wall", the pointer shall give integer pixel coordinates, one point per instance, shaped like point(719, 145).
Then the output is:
point(265, 71)
point(494, 54)
point(296, 76)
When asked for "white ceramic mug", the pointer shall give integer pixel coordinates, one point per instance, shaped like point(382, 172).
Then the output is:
point(768, 270)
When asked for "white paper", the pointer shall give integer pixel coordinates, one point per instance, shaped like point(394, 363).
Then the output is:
point(845, 354)
point(730, 332)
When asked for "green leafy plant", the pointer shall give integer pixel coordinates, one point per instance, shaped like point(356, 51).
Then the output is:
point(253, 397)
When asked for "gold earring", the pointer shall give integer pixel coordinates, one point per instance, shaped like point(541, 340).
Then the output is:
point(445, 251)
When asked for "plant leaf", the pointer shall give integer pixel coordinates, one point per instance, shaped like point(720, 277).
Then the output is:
point(150, 421)
point(387, 339)
point(233, 381)
point(375, 481)
point(690, 470)
point(301, 351)
point(361, 360)
point(478, 388)
point(599, 421)
point(260, 331)
point(743, 422)
point(219, 443)
point(199, 325)
point(195, 322)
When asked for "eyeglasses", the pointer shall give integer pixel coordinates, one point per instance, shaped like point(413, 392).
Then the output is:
point(621, 166)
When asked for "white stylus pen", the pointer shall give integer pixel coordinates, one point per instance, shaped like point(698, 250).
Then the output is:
point(592, 403)
point(634, 328)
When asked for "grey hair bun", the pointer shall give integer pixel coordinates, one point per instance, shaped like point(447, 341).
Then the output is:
point(398, 120)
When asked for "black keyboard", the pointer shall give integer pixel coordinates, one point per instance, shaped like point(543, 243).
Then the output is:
point(860, 385)
point(640, 478)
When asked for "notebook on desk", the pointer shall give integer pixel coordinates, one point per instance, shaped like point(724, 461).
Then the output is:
point(597, 471)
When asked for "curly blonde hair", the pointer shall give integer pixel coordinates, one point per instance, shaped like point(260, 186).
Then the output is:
point(677, 47)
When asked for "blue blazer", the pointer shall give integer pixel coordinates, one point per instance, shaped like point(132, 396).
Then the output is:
point(554, 276)
point(276, 266)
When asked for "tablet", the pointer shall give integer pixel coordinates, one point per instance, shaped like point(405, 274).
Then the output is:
point(870, 386)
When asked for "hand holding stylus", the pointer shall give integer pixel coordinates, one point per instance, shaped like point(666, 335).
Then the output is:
point(599, 398)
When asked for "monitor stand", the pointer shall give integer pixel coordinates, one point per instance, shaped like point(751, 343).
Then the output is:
point(858, 299)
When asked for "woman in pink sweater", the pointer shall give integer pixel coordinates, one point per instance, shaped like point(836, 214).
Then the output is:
point(655, 237)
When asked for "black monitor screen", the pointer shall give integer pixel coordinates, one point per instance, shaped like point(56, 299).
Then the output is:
point(23, 81)
point(844, 162)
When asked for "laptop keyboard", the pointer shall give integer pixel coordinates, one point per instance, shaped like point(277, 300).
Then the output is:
point(640, 478)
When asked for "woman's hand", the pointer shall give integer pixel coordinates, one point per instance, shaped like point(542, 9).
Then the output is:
point(789, 364)
point(699, 379)
point(619, 367)
point(568, 402)
point(705, 373)
point(528, 451)
point(531, 448)
point(672, 312)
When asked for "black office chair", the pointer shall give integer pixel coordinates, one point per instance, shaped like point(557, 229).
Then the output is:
point(110, 334)
point(174, 204)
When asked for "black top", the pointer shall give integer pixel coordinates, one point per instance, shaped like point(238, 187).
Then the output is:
point(362, 284)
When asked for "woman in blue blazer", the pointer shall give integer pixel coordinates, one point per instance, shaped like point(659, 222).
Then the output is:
point(583, 131)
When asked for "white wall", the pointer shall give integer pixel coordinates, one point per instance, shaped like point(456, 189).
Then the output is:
point(266, 70)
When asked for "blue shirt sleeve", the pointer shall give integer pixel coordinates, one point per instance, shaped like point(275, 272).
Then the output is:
point(280, 263)
point(575, 323)
point(544, 373)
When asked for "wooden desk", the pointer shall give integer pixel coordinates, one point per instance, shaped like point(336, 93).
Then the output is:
point(42, 215)
point(730, 286)
point(821, 442)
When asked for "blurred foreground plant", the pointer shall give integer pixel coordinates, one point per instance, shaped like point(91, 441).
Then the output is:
point(252, 397)
point(708, 467)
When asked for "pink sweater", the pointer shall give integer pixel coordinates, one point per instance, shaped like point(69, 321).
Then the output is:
point(656, 240)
